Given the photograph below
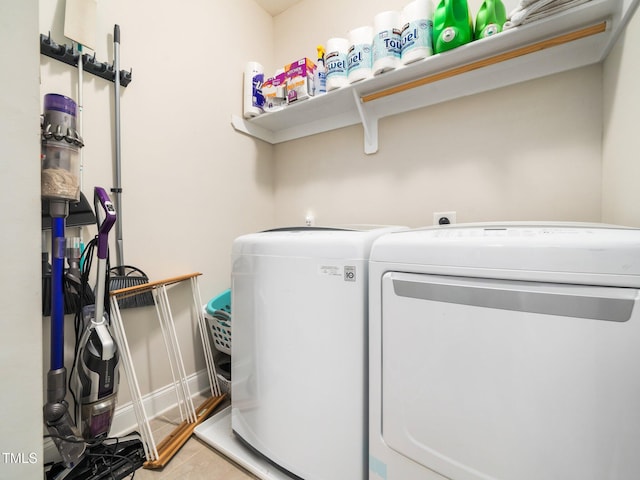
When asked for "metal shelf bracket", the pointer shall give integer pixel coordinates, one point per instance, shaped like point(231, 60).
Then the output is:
point(369, 125)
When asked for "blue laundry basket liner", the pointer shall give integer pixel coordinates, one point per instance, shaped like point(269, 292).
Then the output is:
point(218, 315)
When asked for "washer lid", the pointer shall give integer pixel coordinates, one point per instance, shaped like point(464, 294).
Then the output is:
point(551, 247)
point(340, 241)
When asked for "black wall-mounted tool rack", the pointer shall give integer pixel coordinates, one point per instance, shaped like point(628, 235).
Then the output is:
point(69, 55)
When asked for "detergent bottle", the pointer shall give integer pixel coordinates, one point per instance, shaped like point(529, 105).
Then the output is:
point(452, 25)
point(490, 18)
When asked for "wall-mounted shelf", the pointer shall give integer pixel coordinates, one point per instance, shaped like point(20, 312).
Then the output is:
point(574, 38)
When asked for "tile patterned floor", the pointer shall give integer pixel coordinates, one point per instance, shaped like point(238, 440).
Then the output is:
point(196, 460)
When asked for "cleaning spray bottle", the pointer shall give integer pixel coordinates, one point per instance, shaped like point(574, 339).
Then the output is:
point(490, 18)
point(320, 74)
point(452, 25)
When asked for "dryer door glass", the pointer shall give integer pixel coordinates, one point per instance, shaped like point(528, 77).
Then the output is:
point(492, 379)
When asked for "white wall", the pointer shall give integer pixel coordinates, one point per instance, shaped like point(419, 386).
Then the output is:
point(20, 316)
point(621, 144)
point(214, 184)
point(527, 152)
point(190, 184)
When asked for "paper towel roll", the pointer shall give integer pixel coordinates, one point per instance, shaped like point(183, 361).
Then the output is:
point(417, 19)
point(336, 63)
point(253, 99)
point(359, 57)
point(386, 42)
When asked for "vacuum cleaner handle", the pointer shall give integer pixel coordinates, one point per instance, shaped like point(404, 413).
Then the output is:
point(106, 218)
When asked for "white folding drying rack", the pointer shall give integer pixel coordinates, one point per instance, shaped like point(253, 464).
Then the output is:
point(158, 455)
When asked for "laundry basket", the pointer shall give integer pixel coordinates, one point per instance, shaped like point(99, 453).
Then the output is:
point(217, 313)
point(224, 374)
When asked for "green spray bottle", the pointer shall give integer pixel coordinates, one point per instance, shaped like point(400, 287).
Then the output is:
point(452, 25)
point(490, 19)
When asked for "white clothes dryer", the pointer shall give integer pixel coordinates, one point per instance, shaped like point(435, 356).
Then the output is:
point(298, 353)
point(505, 352)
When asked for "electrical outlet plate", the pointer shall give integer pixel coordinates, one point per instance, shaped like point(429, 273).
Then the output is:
point(439, 216)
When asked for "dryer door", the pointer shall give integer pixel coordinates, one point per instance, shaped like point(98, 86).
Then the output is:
point(489, 379)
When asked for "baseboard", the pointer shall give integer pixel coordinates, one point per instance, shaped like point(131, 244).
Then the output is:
point(155, 404)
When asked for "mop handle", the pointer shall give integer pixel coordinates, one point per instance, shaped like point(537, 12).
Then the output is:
point(118, 187)
point(79, 128)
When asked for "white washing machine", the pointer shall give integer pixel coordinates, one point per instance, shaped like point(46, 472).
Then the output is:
point(507, 352)
point(299, 338)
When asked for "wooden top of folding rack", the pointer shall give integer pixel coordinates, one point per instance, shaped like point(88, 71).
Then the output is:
point(137, 289)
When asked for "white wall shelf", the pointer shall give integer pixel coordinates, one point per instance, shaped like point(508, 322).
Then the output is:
point(578, 37)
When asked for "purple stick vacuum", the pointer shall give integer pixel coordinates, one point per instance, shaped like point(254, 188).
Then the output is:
point(97, 360)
